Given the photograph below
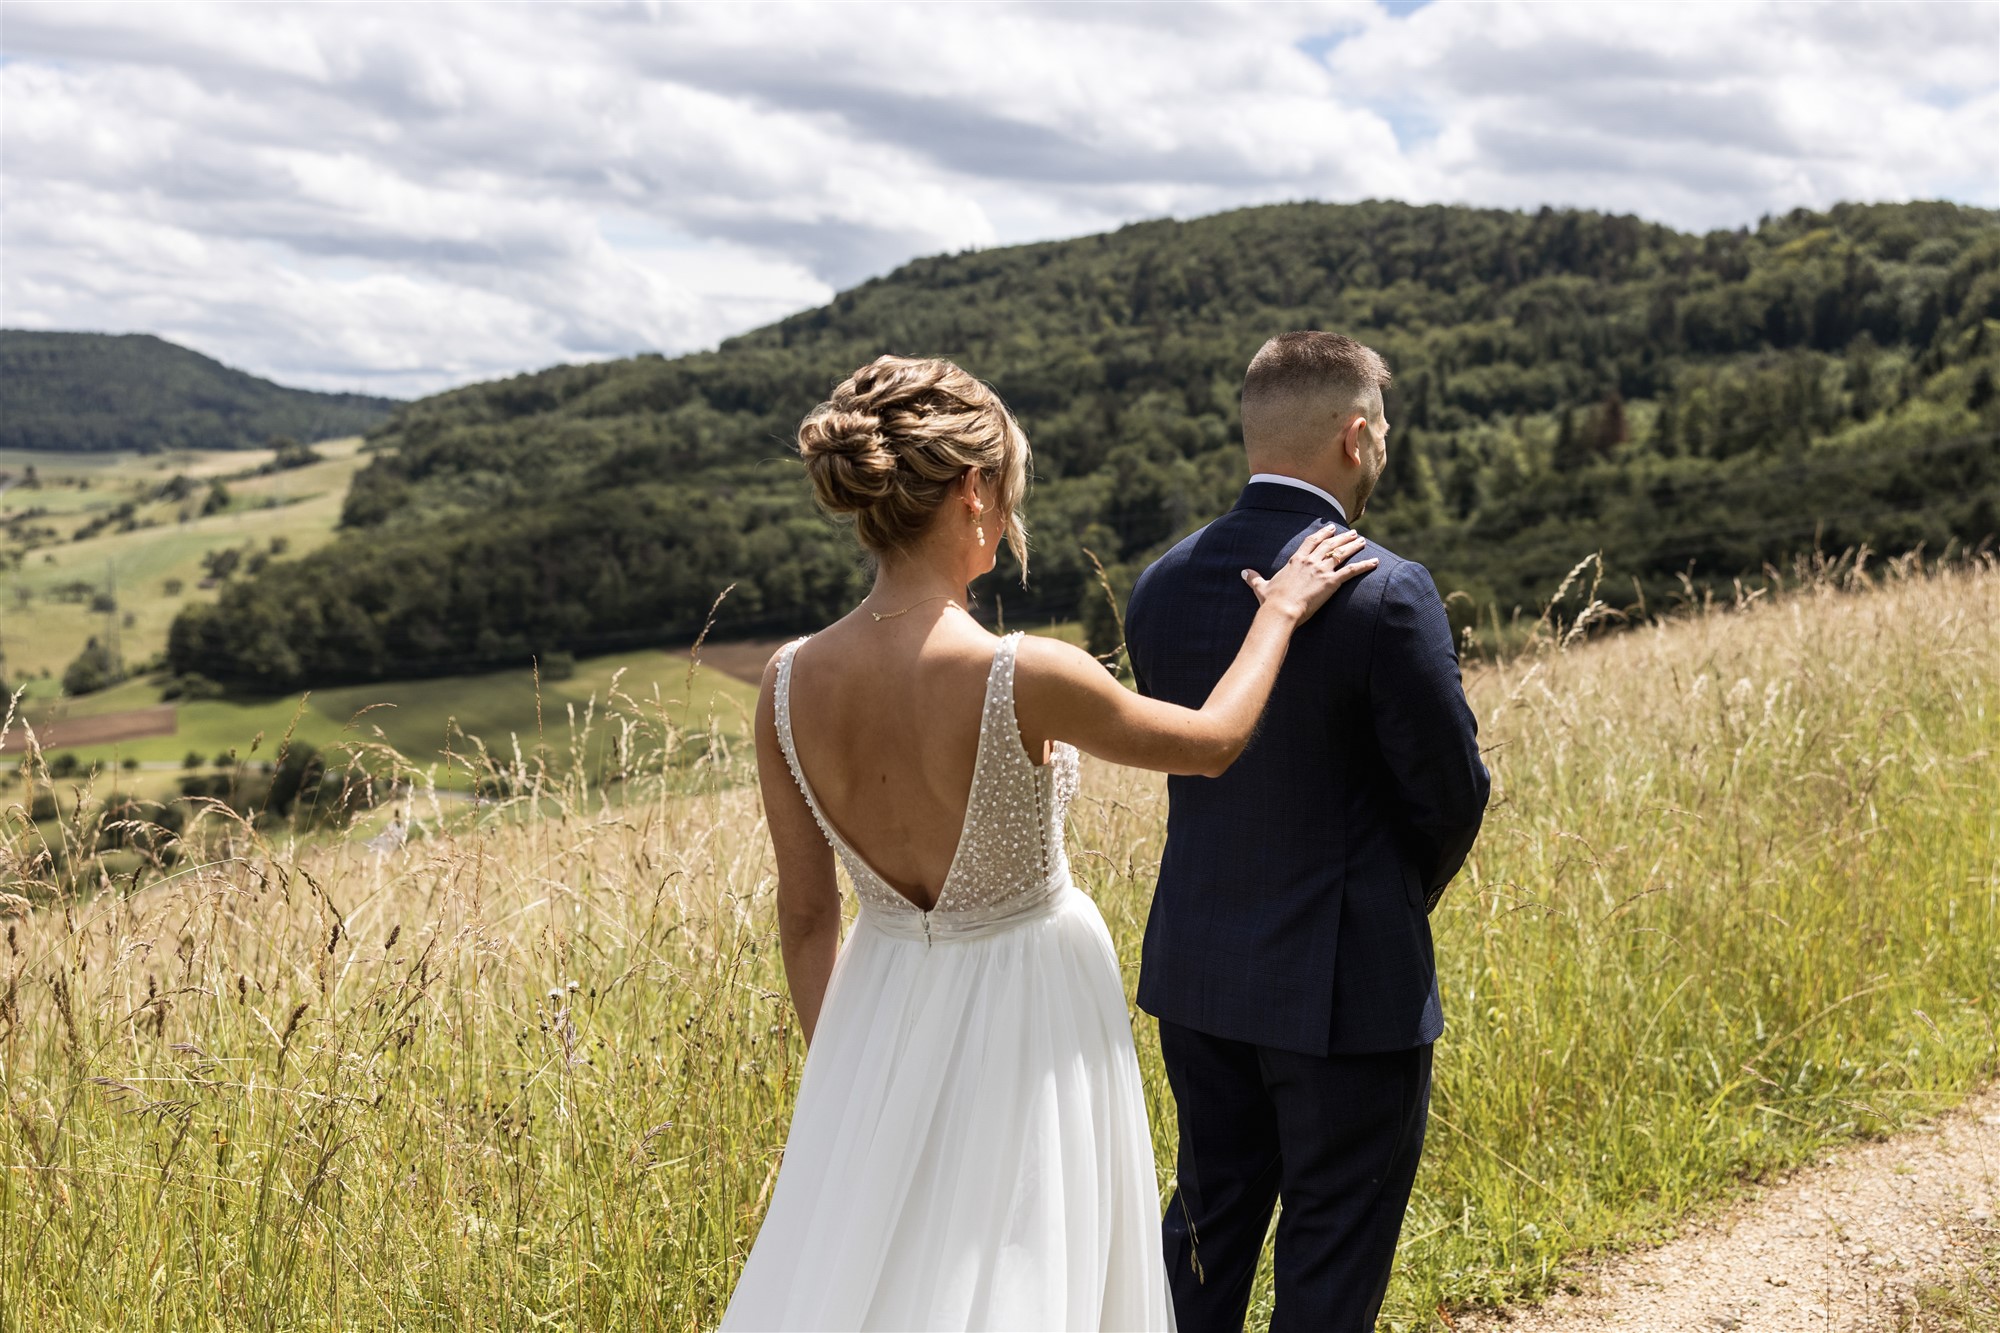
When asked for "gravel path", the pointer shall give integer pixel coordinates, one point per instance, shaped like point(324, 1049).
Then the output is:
point(1841, 1246)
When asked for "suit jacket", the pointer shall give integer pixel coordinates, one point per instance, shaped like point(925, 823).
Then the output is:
point(1294, 893)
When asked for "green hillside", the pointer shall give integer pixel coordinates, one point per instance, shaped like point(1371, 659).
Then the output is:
point(101, 391)
point(1693, 406)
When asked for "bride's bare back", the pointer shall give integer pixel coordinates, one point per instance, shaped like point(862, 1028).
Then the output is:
point(885, 718)
point(885, 706)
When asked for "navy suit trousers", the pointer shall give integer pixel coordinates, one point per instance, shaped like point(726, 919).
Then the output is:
point(1336, 1137)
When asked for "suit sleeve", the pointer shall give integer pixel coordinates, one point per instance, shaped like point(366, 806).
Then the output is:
point(1424, 727)
point(1134, 618)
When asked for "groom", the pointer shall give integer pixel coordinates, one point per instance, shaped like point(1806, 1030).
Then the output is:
point(1288, 957)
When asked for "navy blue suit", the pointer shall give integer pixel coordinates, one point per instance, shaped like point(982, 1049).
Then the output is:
point(1288, 955)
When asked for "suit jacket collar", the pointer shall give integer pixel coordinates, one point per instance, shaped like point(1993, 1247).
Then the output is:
point(1289, 499)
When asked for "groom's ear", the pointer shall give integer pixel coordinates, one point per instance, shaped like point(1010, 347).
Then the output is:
point(1350, 440)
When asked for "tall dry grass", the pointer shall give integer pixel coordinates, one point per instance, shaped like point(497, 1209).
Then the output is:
point(1738, 895)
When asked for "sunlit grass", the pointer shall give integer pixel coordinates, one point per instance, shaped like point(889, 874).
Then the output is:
point(1738, 895)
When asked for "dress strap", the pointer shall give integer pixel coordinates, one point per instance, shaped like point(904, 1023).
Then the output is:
point(781, 709)
point(1000, 727)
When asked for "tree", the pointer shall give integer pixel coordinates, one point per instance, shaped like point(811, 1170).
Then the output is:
point(289, 454)
point(1860, 378)
point(92, 669)
point(1696, 416)
point(1408, 484)
point(1610, 429)
point(1666, 429)
point(299, 771)
point(1572, 451)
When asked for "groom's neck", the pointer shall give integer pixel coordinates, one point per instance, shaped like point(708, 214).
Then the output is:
point(1337, 482)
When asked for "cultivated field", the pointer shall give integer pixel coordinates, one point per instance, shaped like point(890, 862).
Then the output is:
point(1738, 896)
point(43, 625)
point(423, 719)
point(45, 619)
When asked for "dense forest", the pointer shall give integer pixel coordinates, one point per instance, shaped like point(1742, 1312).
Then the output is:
point(1692, 406)
point(98, 391)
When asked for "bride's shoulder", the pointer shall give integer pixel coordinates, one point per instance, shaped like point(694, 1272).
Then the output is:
point(782, 652)
point(1044, 656)
point(775, 663)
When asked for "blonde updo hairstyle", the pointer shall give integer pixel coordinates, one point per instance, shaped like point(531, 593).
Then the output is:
point(895, 438)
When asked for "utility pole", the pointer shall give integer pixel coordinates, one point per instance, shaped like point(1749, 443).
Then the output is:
point(111, 620)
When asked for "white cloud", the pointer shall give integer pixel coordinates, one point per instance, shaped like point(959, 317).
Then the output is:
point(1701, 115)
point(406, 197)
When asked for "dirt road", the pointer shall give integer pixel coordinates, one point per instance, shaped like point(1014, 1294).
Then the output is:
point(1850, 1244)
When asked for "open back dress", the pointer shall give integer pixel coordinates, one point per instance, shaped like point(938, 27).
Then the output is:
point(969, 1146)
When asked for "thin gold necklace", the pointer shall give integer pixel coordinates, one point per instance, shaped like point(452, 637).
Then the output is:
point(946, 598)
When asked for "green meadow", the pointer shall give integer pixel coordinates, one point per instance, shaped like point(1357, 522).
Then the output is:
point(425, 720)
point(1737, 900)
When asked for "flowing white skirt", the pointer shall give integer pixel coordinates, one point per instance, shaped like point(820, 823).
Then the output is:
point(969, 1148)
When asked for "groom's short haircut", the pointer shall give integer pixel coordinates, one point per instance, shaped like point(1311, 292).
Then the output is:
point(1302, 385)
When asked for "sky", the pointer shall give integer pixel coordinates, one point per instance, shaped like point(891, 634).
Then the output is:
point(399, 198)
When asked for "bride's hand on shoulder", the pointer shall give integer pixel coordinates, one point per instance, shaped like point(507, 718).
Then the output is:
point(1063, 693)
point(1315, 571)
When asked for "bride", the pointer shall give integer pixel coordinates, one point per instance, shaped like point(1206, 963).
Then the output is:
point(969, 1147)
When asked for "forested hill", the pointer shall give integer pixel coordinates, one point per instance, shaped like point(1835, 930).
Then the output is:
point(1565, 382)
point(96, 391)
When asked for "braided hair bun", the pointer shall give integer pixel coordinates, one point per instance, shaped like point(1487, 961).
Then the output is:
point(897, 435)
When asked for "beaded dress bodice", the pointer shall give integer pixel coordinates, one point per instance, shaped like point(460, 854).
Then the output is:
point(1010, 860)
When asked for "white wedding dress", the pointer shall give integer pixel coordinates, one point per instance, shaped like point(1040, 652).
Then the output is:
point(969, 1148)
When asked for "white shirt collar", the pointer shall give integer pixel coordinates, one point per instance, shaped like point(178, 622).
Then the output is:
point(1279, 479)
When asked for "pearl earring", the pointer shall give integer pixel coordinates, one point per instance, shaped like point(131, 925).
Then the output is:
point(980, 528)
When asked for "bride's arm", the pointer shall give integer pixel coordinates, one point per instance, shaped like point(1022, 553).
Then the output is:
point(808, 894)
point(1062, 693)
